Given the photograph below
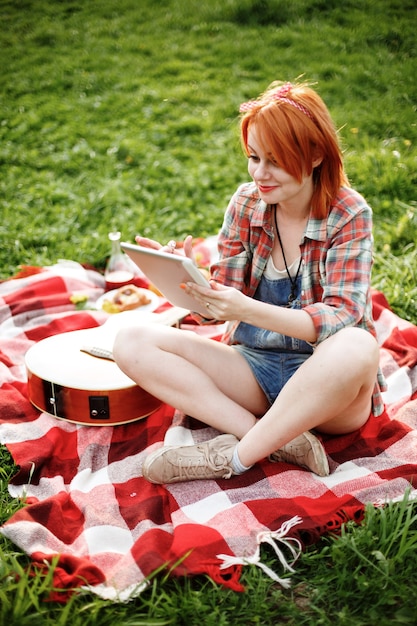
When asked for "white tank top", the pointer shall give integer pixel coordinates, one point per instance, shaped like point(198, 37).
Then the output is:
point(273, 273)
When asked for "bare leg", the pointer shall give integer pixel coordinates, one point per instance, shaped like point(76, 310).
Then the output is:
point(331, 392)
point(204, 378)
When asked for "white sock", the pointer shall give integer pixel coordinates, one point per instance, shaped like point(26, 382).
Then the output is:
point(237, 465)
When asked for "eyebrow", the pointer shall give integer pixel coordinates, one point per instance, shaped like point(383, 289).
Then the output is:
point(270, 156)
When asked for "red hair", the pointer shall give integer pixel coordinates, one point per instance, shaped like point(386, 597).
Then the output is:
point(295, 130)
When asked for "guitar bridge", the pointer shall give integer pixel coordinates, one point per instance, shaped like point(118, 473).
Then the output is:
point(100, 353)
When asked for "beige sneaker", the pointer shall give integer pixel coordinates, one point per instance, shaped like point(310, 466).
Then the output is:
point(208, 460)
point(306, 451)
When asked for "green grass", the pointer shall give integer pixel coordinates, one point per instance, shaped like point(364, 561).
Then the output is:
point(118, 115)
point(123, 114)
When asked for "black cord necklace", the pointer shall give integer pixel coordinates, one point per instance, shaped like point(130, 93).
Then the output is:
point(293, 281)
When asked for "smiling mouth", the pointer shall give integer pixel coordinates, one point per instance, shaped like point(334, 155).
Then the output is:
point(265, 188)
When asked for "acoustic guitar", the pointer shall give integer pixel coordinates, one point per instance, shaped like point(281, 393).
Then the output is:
point(73, 376)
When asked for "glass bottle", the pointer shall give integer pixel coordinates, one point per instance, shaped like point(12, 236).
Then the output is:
point(119, 269)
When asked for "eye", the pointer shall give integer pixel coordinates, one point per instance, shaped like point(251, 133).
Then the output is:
point(273, 161)
point(253, 157)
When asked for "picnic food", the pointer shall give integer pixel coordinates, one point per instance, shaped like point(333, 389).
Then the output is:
point(126, 298)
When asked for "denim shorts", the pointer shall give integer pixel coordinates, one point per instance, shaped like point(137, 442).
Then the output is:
point(272, 369)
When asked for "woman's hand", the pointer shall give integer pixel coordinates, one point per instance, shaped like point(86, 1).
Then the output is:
point(222, 303)
point(170, 247)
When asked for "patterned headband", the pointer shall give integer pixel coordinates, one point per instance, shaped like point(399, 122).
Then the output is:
point(281, 96)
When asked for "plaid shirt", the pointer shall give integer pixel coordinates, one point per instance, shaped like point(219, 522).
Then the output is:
point(337, 262)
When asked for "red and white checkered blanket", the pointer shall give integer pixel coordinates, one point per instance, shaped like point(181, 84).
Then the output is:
point(86, 500)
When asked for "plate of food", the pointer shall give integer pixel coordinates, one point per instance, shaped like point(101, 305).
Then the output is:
point(128, 298)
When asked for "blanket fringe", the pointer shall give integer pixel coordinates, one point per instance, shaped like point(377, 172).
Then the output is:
point(273, 538)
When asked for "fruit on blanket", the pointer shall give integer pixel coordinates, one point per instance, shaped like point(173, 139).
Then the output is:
point(126, 298)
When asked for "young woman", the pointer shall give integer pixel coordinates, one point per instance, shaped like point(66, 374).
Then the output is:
point(293, 281)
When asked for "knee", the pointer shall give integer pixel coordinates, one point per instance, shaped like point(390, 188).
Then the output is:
point(357, 347)
point(361, 342)
point(126, 344)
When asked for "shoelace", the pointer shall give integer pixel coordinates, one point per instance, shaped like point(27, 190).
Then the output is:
point(197, 467)
point(296, 453)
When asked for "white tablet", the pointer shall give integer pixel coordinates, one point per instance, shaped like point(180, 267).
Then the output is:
point(167, 271)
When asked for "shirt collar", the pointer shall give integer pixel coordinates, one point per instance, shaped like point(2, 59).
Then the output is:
point(261, 214)
point(316, 229)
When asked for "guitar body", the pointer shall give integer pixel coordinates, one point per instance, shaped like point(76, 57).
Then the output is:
point(73, 385)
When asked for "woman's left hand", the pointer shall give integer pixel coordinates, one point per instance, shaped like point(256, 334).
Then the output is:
point(222, 303)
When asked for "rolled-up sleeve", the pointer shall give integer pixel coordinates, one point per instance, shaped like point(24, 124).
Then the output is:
point(336, 285)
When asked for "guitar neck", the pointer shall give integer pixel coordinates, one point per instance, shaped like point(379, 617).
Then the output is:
point(104, 335)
